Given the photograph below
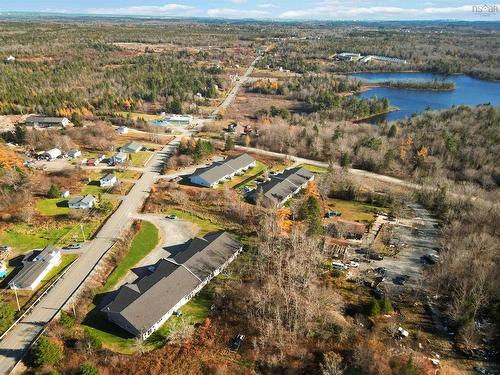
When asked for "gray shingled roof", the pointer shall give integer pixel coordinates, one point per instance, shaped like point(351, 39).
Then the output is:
point(108, 177)
point(219, 170)
point(281, 185)
point(145, 302)
point(43, 120)
point(86, 199)
point(32, 268)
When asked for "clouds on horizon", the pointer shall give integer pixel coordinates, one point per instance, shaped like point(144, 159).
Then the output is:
point(303, 10)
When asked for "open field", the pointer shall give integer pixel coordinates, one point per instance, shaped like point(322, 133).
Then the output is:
point(354, 211)
point(246, 104)
point(137, 115)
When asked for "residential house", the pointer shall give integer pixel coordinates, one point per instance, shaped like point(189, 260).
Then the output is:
point(74, 154)
point(10, 59)
point(52, 154)
point(108, 180)
point(131, 147)
point(220, 171)
point(87, 201)
point(36, 266)
point(120, 157)
point(122, 130)
point(46, 122)
point(282, 186)
point(145, 305)
point(65, 194)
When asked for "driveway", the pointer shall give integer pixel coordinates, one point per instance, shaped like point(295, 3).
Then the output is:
point(174, 234)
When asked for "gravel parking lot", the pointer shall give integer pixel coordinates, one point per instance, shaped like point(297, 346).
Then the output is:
point(417, 237)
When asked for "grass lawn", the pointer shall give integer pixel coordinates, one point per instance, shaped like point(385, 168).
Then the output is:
point(195, 311)
point(314, 168)
point(137, 115)
point(138, 159)
point(53, 207)
point(144, 241)
point(251, 174)
point(126, 174)
point(205, 225)
point(65, 262)
point(354, 211)
point(23, 237)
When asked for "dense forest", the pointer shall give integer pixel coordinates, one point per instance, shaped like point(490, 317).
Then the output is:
point(460, 143)
point(454, 50)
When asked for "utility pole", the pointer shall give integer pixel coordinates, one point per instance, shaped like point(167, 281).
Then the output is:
point(17, 299)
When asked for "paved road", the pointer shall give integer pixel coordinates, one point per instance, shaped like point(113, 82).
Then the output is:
point(234, 91)
point(13, 346)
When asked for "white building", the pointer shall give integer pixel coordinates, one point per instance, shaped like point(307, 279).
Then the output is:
point(88, 201)
point(179, 119)
point(222, 171)
point(35, 268)
point(52, 154)
point(122, 130)
point(108, 180)
point(144, 306)
point(74, 154)
point(120, 157)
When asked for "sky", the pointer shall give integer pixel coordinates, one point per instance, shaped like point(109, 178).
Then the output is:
point(271, 9)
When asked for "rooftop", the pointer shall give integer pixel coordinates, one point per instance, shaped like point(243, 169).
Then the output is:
point(219, 170)
point(146, 301)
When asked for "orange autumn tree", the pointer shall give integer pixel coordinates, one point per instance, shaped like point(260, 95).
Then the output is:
point(9, 159)
point(283, 218)
point(312, 189)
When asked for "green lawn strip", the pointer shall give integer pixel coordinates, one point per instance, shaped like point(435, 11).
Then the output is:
point(205, 225)
point(126, 174)
point(250, 175)
point(53, 207)
point(314, 168)
point(138, 159)
point(195, 311)
point(144, 241)
point(137, 115)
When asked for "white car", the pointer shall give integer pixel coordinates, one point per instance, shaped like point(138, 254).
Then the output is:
point(353, 264)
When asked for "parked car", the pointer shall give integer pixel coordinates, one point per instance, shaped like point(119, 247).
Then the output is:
point(171, 217)
point(73, 246)
point(400, 280)
point(4, 248)
point(382, 271)
point(375, 256)
point(237, 341)
point(353, 264)
point(177, 313)
point(329, 214)
point(338, 265)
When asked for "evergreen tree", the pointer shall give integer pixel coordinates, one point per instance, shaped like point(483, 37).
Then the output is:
point(53, 192)
point(20, 134)
point(47, 352)
point(229, 145)
point(312, 215)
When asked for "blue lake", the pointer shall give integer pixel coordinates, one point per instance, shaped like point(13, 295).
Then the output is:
point(469, 91)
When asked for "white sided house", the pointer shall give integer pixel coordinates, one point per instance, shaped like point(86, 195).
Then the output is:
point(87, 201)
point(179, 119)
point(74, 154)
point(122, 130)
point(35, 268)
point(120, 157)
point(108, 180)
point(221, 171)
point(145, 305)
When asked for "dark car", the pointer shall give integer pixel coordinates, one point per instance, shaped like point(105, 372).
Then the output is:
point(375, 256)
point(382, 271)
point(237, 341)
point(400, 280)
